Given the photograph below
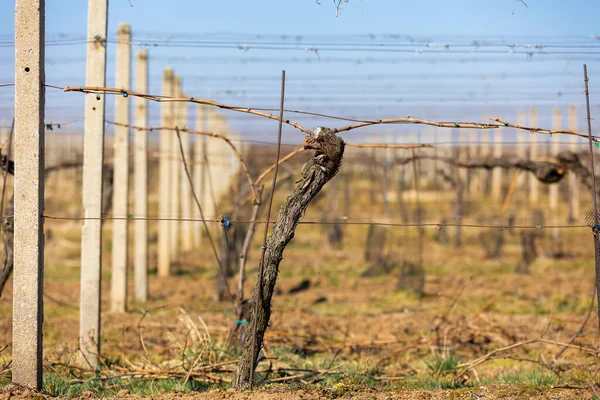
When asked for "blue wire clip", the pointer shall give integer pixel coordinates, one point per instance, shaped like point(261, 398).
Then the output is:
point(225, 222)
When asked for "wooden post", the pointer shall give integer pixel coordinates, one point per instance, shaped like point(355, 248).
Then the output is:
point(164, 173)
point(28, 310)
point(140, 265)
point(573, 184)
point(175, 171)
point(118, 295)
point(199, 172)
point(533, 154)
point(497, 172)
point(186, 190)
point(93, 159)
point(553, 189)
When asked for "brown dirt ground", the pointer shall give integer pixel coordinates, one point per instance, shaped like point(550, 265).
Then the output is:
point(510, 392)
point(472, 305)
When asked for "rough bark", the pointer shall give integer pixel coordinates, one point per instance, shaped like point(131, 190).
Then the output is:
point(318, 171)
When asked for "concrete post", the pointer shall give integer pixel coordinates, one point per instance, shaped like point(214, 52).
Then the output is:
point(3, 131)
point(186, 190)
point(223, 175)
point(164, 175)
point(199, 173)
point(533, 154)
point(93, 159)
point(573, 184)
point(208, 205)
point(118, 296)
point(497, 172)
point(553, 188)
point(175, 170)
point(28, 310)
point(140, 265)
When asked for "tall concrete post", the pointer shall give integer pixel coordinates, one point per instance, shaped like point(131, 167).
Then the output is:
point(574, 212)
point(93, 159)
point(186, 189)
point(199, 173)
point(533, 154)
point(497, 172)
point(118, 295)
point(140, 266)
point(28, 281)
point(164, 176)
point(175, 170)
point(553, 188)
point(222, 175)
point(208, 202)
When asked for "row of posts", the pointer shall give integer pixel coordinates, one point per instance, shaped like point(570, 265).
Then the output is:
point(29, 185)
point(482, 144)
point(526, 141)
point(29, 157)
point(212, 170)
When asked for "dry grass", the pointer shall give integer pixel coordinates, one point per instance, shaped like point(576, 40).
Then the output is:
point(382, 341)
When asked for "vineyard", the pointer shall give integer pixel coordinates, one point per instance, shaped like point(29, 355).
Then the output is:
point(157, 243)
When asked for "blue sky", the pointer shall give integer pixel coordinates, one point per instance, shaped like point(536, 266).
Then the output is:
point(459, 83)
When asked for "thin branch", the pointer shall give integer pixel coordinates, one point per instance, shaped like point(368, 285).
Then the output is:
point(281, 161)
point(163, 99)
point(254, 111)
point(541, 130)
point(235, 150)
point(390, 146)
point(472, 364)
point(187, 172)
point(409, 120)
point(261, 265)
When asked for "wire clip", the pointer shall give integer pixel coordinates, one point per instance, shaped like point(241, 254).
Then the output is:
point(224, 222)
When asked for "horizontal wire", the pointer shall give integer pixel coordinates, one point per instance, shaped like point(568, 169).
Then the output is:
point(433, 225)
